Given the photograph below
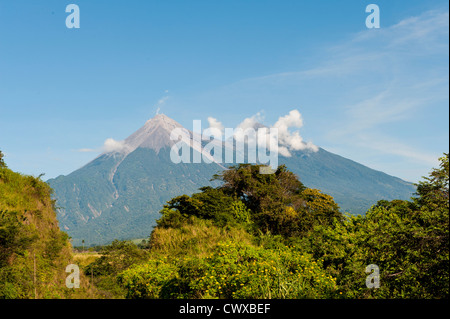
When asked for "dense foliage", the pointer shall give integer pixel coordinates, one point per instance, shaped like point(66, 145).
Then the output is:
point(268, 236)
point(117, 197)
point(34, 252)
point(231, 270)
point(253, 236)
point(115, 258)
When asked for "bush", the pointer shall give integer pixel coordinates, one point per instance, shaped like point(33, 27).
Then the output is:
point(147, 280)
point(231, 270)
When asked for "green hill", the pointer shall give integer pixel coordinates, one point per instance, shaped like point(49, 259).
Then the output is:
point(34, 252)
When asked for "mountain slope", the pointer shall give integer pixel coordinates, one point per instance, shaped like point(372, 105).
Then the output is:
point(355, 187)
point(120, 193)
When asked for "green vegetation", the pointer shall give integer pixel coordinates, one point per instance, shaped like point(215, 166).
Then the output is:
point(253, 236)
point(230, 270)
point(2, 163)
point(268, 236)
point(117, 197)
point(112, 260)
point(34, 253)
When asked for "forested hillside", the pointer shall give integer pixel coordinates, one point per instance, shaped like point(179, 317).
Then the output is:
point(268, 236)
point(34, 253)
point(254, 236)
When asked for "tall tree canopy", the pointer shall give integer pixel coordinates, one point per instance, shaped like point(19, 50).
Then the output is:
point(277, 203)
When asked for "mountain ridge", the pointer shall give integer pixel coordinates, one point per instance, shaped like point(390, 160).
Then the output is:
point(119, 193)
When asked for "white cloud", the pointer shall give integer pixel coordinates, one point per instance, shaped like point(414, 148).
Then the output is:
point(388, 79)
point(161, 102)
point(215, 124)
point(292, 140)
point(409, 81)
point(251, 122)
point(385, 84)
point(398, 148)
point(111, 145)
point(374, 50)
point(247, 131)
point(87, 150)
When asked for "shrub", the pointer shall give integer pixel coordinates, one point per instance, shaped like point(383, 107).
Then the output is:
point(231, 270)
point(146, 280)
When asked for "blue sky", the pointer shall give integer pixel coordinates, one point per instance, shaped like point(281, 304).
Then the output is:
point(377, 96)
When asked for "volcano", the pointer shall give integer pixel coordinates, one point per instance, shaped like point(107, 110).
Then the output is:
point(119, 194)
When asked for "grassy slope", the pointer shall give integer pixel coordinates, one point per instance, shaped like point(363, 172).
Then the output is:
point(38, 270)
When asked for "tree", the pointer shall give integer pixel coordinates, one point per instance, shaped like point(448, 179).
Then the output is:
point(261, 191)
point(277, 203)
point(319, 208)
point(116, 257)
point(266, 195)
point(2, 163)
point(433, 191)
point(210, 203)
point(409, 240)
